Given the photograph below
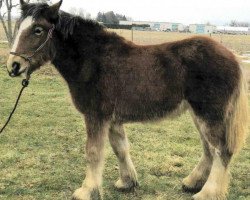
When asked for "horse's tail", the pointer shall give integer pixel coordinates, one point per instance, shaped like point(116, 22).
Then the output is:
point(237, 117)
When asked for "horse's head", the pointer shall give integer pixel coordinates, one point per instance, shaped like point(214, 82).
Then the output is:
point(33, 47)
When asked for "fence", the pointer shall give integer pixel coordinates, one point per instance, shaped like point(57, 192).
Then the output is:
point(238, 43)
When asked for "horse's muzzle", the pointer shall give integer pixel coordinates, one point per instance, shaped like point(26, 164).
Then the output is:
point(16, 70)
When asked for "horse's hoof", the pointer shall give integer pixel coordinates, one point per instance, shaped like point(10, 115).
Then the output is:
point(191, 186)
point(87, 194)
point(209, 196)
point(191, 190)
point(128, 186)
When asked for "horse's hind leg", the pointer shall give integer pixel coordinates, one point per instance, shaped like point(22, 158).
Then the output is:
point(198, 177)
point(216, 186)
point(119, 143)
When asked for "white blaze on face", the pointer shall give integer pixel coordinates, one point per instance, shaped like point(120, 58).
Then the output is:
point(26, 23)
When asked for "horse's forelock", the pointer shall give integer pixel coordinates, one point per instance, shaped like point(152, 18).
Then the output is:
point(36, 11)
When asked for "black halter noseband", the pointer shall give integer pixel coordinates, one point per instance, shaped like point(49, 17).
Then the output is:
point(29, 58)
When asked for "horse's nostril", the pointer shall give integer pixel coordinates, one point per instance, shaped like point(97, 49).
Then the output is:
point(15, 67)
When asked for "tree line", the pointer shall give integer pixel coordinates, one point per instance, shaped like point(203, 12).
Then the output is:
point(235, 23)
point(110, 17)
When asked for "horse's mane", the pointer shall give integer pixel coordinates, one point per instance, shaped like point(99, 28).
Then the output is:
point(65, 23)
point(68, 22)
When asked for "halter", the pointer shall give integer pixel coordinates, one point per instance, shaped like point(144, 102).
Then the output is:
point(25, 82)
point(29, 58)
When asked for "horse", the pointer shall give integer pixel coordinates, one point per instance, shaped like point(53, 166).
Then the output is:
point(113, 81)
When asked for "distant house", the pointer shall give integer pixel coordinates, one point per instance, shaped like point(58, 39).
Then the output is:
point(202, 28)
point(233, 30)
point(157, 26)
point(173, 27)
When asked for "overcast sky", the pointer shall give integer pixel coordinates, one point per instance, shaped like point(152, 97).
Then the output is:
point(218, 12)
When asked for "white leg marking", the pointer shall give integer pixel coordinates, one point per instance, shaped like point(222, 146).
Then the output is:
point(91, 187)
point(199, 175)
point(216, 185)
point(120, 145)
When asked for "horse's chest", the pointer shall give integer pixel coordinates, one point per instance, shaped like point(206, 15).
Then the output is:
point(85, 97)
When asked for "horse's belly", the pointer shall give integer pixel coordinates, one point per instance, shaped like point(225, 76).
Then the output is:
point(145, 111)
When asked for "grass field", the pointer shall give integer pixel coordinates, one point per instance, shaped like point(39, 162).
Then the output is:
point(42, 150)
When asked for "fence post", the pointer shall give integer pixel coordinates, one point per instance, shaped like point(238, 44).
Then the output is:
point(132, 34)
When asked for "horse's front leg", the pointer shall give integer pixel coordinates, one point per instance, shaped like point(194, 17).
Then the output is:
point(120, 145)
point(96, 133)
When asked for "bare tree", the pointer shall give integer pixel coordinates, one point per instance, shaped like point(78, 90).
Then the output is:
point(235, 23)
point(88, 16)
point(80, 12)
point(208, 23)
point(40, 1)
point(7, 19)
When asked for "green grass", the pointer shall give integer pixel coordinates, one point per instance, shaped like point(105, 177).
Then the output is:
point(42, 149)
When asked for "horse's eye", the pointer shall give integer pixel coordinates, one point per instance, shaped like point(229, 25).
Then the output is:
point(38, 30)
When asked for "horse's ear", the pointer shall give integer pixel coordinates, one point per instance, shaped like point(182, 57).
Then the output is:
point(54, 9)
point(23, 4)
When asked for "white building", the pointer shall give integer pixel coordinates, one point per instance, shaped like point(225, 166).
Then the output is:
point(233, 30)
point(202, 28)
point(158, 26)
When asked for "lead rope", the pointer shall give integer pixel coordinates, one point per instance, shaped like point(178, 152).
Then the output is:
point(25, 84)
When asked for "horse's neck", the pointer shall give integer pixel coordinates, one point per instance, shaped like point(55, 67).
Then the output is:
point(72, 53)
point(64, 60)
point(81, 48)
